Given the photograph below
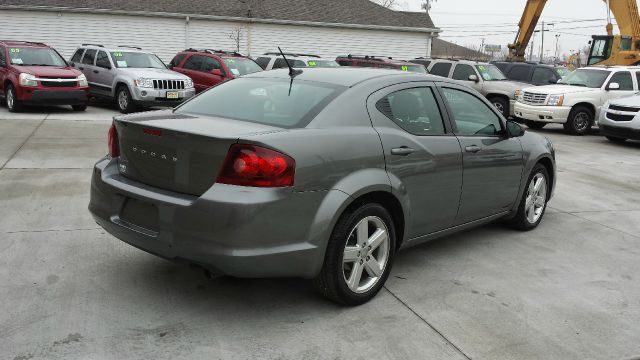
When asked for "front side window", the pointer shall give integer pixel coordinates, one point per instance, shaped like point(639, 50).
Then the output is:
point(209, 64)
point(89, 57)
point(177, 60)
point(490, 73)
point(77, 56)
point(441, 69)
point(623, 78)
point(139, 60)
point(274, 102)
point(241, 66)
point(543, 76)
point(28, 56)
point(471, 115)
point(102, 60)
point(519, 73)
point(414, 110)
point(462, 72)
point(3, 61)
point(194, 63)
point(263, 62)
point(590, 78)
point(280, 63)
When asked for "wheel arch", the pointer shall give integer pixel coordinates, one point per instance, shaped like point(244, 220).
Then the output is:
point(588, 105)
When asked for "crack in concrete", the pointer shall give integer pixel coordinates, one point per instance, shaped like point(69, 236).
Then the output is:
point(24, 142)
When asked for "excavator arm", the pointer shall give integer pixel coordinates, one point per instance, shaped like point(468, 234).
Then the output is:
point(626, 14)
point(527, 25)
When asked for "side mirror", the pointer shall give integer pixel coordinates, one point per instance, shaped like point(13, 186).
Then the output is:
point(170, 66)
point(514, 129)
point(216, 72)
point(474, 78)
point(72, 64)
point(553, 81)
point(613, 86)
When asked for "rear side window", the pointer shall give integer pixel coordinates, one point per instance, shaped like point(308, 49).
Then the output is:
point(89, 57)
point(623, 78)
point(3, 60)
point(194, 63)
point(519, 72)
point(274, 102)
point(77, 56)
point(638, 78)
point(263, 62)
point(463, 71)
point(414, 110)
point(176, 60)
point(441, 69)
point(543, 76)
point(344, 62)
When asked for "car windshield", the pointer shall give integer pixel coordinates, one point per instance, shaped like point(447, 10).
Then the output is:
point(30, 56)
point(562, 72)
point(124, 59)
point(322, 63)
point(275, 102)
point(414, 68)
point(240, 66)
point(590, 78)
point(490, 73)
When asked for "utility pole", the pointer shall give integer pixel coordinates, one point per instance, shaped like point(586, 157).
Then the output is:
point(542, 44)
point(556, 53)
point(533, 41)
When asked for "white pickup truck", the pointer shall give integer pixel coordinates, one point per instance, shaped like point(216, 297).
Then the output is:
point(577, 99)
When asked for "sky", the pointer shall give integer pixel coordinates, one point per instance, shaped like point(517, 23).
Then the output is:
point(466, 22)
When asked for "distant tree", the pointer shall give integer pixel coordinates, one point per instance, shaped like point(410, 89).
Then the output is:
point(426, 5)
point(236, 36)
point(389, 4)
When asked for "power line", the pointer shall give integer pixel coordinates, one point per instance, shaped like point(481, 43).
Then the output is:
point(460, 26)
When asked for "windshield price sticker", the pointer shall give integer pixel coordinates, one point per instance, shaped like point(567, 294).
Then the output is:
point(312, 63)
point(14, 50)
point(117, 54)
point(405, 68)
point(482, 68)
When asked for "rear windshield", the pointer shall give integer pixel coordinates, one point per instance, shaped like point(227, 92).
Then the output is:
point(28, 56)
point(240, 66)
point(138, 60)
point(264, 101)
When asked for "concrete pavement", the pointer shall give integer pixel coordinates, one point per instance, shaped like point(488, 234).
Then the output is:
point(567, 290)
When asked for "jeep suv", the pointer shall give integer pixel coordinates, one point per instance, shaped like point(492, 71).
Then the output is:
point(484, 77)
point(132, 77)
point(35, 74)
point(273, 60)
point(209, 67)
point(576, 101)
point(380, 62)
point(532, 73)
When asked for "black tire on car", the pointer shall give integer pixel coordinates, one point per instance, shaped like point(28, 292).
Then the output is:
point(355, 248)
point(501, 104)
point(79, 107)
point(534, 200)
point(536, 125)
point(617, 140)
point(579, 121)
point(124, 100)
point(13, 104)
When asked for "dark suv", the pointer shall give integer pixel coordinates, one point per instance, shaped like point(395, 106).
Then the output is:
point(209, 67)
point(379, 62)
point(35, 74)
point(531, 73)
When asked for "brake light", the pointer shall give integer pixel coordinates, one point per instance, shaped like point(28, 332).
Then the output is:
point(114, 148)
point(249, 165)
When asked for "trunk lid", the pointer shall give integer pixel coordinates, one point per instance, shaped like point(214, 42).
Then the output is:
point(178, 152)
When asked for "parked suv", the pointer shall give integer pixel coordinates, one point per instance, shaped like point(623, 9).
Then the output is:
point(209, 67)
point(422, 61)
point(577, 99)
point(272, 60)
point(620, 119)
point(131, 76)
point(379, 62)
point(483, 77)
point(35, 74)
point(532, 73)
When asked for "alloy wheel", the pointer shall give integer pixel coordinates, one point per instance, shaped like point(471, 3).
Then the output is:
point(536, 198)
point(499, 107)
point(10, 98)
point(581, 121)
point(123, 100)
point(366, 254)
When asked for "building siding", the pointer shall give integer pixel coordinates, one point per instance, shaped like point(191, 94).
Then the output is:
point(65, 31)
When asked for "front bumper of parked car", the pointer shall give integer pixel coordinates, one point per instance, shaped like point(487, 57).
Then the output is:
point(153, 97)
point(621, 124)
point(233, 230)
point(548, 114)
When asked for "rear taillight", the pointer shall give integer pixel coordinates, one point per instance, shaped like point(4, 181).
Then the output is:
point(249, 165)
point(114, 148)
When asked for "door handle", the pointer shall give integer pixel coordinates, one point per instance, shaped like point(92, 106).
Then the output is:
point(81, 68)
point(403, 151)
point(472, 148)
point(96, 71)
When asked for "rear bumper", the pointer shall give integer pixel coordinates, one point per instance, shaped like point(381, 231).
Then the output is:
point(239, 231)
point(55, 97)
point(548, 114)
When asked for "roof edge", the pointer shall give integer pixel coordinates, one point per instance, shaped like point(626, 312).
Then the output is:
point(434, 30)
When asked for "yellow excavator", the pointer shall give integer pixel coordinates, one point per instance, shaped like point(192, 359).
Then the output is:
point(623, 49)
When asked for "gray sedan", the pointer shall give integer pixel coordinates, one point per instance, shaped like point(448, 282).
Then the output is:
point(324, 175)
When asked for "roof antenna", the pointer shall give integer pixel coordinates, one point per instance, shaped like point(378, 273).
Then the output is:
point(292, 72)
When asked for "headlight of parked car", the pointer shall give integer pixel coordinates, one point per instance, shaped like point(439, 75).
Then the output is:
point(144, 82)
point(28, 80)
point(555, 100)
point(518, 95)
point(82, 80)
point(188, 83)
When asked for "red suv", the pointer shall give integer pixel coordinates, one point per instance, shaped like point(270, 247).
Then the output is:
point(379, 62)
point(208, 67)
point(35, 74)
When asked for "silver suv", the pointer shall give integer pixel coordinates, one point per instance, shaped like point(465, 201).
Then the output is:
point(483, 77)
point(133, 77)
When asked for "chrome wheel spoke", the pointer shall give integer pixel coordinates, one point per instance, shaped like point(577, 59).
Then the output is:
point(351, 254)
point(356, 275)
point(376, 239)
point(536, 198)
point(373, 267)
point(362, 234)
point(539, 201)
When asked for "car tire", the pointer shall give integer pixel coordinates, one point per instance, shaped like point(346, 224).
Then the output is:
point(79, 107)
point(125, 101)
point(534, 200)
point(501, 104)
point(536, 125)
point(617, 140)
point(359, 256)
point(11, 98)
point(579, 121)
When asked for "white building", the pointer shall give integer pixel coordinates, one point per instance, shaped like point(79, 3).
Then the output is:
point(325, 27)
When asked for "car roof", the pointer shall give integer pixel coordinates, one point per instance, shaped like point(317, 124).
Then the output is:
point(23, 43)
point(215, 52)
point(460, 61)
point(345, 76)
point(382, 59)
point(117, 48)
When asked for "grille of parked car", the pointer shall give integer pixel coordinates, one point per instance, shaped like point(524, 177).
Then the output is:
point(619, 117)
point(533, 98)
point(623, 108)
point(168, 84)
point(58, 82)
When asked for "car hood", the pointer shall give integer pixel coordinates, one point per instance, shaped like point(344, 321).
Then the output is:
point(164, 74)
point(630, 101)
point(49, 71)
point(559, 89)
